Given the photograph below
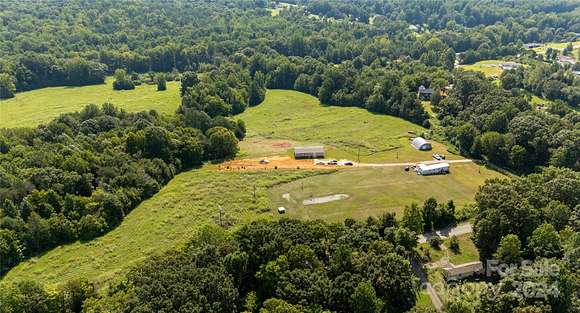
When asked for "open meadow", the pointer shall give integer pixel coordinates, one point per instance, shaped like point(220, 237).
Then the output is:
point(487, 67)
point(555, 46)
point(166, 221)
point(288, 118)
point(31, 108)
point(373, 191)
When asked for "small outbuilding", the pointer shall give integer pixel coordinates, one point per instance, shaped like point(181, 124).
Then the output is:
point(432, 169)
point(425, 93)
point(421, 144)
point(281, 210)
point(506, 66)
point(461, 271)
point(312, 152)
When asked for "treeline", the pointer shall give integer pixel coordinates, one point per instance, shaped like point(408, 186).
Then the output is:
point(536, 218)
point(80, 175)
point(268, 266)
point(532, 19)
point(485, 120)
point(34, 71)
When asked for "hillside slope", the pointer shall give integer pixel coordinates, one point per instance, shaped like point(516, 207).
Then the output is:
point(287, 118)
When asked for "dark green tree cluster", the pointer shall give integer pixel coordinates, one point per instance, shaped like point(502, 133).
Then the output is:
point(284, 266)
point(429, 217)
point(534, 209)
point(123, 81)
point(535, 219)
point(485, 120)
point(78, 176)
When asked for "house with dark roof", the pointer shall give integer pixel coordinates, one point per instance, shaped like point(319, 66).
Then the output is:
point(425, 94)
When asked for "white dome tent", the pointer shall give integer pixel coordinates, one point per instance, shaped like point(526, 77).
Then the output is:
point(421, 144)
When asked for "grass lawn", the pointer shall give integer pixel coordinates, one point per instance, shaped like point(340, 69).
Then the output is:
point(163, 222)
point(467, 251)
point(31, 108)
point(373, 191)
point(423, 301)
point(487, 67)
point(287, 118)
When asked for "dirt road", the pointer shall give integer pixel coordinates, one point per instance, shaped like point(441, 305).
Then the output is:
point(460, 229)
point(412, 163)
point(285, 162)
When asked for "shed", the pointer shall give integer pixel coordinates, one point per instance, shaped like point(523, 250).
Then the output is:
point(312, 152)
point(456, 272)
point(425, 93)
point(421, 144)
point(506, 66)
point(564, 59)
point(432, 169)
point(281, 210)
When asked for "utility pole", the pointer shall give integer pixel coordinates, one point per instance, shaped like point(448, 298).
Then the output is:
point(221, 216)
point(254, 193)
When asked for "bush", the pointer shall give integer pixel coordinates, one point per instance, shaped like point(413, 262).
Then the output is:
point(123, 81)
point(453, 244)
point(161, 82)
point(91, 226)
point(435, 242)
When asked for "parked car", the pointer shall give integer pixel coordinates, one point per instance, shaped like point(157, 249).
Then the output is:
point(436, 156)
point(333, 162)
point(264, 161)
point(346, 163)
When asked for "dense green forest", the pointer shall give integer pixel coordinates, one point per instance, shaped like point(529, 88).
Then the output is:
point(77, 177)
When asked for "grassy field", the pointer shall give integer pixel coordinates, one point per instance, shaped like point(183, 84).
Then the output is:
point(163, 222)
point(31, 108)
point(554, 45)
point(487, 67)
point(288, 118)
point(373, 191)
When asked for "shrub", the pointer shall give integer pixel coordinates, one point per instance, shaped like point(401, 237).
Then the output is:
point(453, 244)
point(435, 242)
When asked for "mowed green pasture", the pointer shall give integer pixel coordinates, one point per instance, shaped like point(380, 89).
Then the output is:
point(165, 221)
point(289, 118)
point(487, 67)
point(31, 108)
point(373, 191)
point(555, 46)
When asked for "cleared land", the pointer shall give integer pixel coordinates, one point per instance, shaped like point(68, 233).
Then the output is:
point(289, 118)
point(167, 220)
point(556, 46)
point(31, 108)
point(487, 67)
point(373, 191)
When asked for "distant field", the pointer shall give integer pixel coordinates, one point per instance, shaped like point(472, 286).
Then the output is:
point(31, 108)
point(373, 191)
point(289, 118)
point(554, 45)
point(487, 67)
point(167, 220)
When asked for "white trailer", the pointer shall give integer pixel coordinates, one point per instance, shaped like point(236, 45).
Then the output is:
point(432, 169)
